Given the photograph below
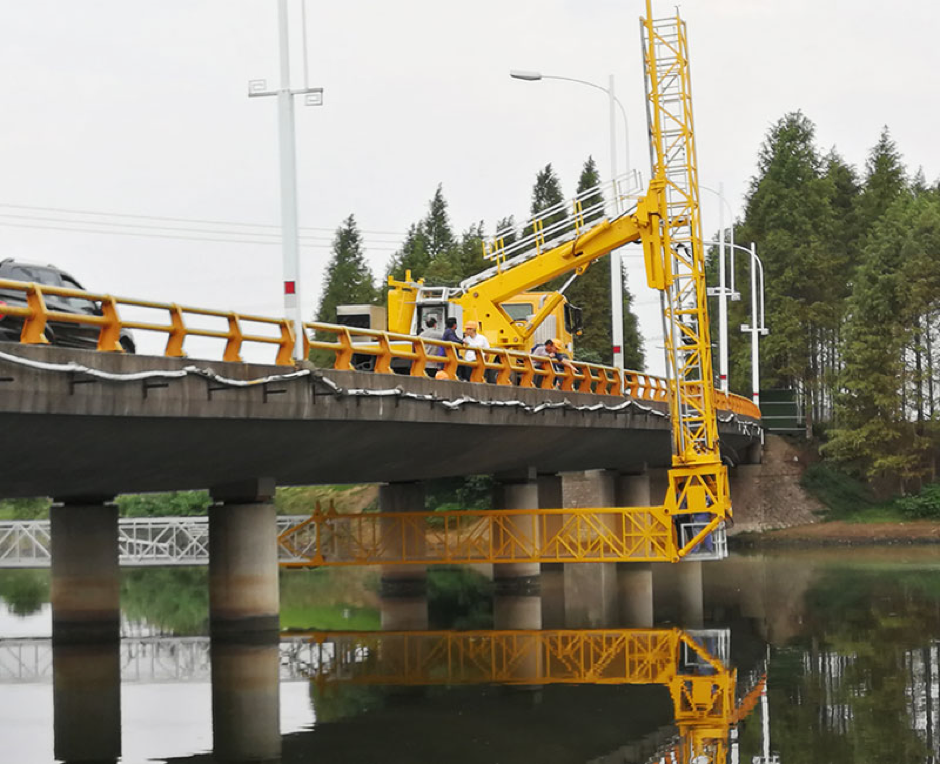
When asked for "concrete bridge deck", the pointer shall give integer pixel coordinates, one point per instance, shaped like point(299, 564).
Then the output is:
point(167, 424)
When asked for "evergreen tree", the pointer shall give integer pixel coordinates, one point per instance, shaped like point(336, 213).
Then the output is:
point(591, 293)
point(547, 193)
point(894, 300)
point(436, 226)
point(428, 247)
point(885, 180)
point(348, 278)
point(789, 216)
point(413, 255)
point(460, 260)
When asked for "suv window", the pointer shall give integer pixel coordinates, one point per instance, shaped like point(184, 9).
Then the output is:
point(40, 275)
point(85, 306)
point(19, 273)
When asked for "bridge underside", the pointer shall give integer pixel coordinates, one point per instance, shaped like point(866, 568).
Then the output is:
point(71, 435)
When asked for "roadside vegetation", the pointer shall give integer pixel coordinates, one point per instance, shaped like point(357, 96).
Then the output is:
point(850, 499)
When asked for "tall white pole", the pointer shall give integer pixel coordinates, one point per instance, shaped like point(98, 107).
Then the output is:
point(765, 722)
point(722, 296)
point(616, 269)
point(755, 331)
point(293, 304)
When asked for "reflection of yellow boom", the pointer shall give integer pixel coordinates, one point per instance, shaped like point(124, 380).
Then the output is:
point(702, 688)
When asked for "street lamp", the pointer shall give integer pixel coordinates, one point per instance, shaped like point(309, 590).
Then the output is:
point(757, 328)
point(722, 292)
point(290, 239)
point(616, 269)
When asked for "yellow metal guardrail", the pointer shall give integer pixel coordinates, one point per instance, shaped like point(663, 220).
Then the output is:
point(414, 354)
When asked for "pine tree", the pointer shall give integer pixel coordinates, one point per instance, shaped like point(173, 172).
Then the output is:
point(896, 293)
point(348, 278)
point(885, 180)
point(789, 216)
point(591, 293)
point(546, 193)
point(428, 246)
point(436, 226)
point(413, 255)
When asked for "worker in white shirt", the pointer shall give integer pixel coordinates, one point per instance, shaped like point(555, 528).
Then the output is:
point(473, 340)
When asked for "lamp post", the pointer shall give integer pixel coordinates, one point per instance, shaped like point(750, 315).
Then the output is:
point(616, 269)
point(757, 328)
point(722, 292)
point(287, 145)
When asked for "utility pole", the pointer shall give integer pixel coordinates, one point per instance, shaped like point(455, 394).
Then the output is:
point(290, 241)
point(616, 269)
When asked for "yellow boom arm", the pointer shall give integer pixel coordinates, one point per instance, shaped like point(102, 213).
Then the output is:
point(482, 302)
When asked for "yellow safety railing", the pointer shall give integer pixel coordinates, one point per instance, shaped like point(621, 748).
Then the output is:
point(345, 346)
point(36, 316)
point(610, 534)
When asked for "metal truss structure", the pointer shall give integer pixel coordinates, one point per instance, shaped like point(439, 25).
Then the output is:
point(675, 265)
point(152, 660)
point(142, 541)
point(526, 657)
point(496, 536)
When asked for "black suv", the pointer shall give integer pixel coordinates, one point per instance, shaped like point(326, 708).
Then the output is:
point(57, 332)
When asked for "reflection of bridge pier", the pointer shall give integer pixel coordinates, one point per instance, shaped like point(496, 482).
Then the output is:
point(243, 614)
point(246, 700)
point(86, 701)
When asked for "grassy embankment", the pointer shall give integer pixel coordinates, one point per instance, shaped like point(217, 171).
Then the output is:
point(848, 499)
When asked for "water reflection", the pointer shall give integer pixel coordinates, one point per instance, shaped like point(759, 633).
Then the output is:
point(849, 645)
point(691, 666)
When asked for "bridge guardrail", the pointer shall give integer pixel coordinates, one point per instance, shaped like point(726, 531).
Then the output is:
point(496, 365)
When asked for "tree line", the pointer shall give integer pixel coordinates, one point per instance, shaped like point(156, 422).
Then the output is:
point(433, 251)
point(852, 297)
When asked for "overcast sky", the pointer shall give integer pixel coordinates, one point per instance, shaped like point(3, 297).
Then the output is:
point(133, 107)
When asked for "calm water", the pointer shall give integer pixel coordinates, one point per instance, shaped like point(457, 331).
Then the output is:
point(845, 643)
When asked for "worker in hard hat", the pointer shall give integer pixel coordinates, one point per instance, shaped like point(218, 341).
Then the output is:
point(552, 349)
point(474, 342)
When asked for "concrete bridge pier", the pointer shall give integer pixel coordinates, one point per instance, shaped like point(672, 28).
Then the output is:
point(246, 699)
point(404, 588)
point(590, 588)
point(552, 574)
point(86, 701)
point(517, 585)
point(86, 618)
point(243, 566)
point(85, 590)
point(635, 579)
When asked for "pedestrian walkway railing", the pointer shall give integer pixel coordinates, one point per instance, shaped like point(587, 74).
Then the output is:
point(142, 541)
point(333, 346)
point(157, 659)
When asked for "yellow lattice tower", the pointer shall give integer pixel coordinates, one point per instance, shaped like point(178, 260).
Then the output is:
point(675, 264)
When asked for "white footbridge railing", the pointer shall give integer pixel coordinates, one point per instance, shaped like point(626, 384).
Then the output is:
point(156, 659)
point(142, 541)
